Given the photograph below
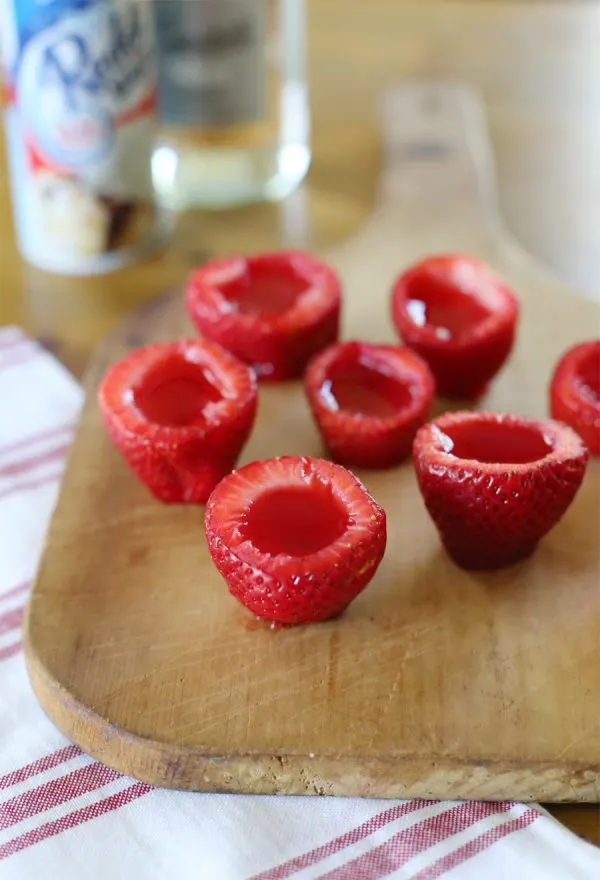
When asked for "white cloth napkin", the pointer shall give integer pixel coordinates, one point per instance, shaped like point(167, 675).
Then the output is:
point(64, 815)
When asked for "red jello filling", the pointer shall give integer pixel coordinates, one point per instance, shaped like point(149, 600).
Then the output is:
point(442, 306)
point(265, 288)
point(495, 443)
point(175, 393)
point(294, 520)
point(359, 387)
point(588, 375)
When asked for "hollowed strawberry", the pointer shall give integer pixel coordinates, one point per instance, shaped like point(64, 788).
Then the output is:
point(496, 484)
point(460, 317)
point(368, 401)
point(575, 392)
point(180, 414)
point(273, 311)
point(296, 539)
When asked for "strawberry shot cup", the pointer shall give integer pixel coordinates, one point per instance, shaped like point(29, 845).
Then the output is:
point(575, 392)
point(296, 539)
point(494, 484)
point(368, 401)
point(179, 414)
point(460, 318)
point(274, 311)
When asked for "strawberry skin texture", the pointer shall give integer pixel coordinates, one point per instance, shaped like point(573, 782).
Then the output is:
point(369, 439)
point(179, 463)
point(294, 587)
point(493, 514)
point(575, 392)
point(279, 343)
point(460, 318)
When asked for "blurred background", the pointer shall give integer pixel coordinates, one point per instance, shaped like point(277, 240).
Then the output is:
point(537, 63)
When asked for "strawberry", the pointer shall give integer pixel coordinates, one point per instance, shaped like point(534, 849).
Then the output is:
point(495, 484)
point(575, 392)
point(460, 318)
point(273, 311)
point(368, 401)
point(296, 539)
point(179, 414)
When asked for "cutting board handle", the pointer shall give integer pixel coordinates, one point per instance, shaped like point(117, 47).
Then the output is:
point(436, 191)
point(438, 169)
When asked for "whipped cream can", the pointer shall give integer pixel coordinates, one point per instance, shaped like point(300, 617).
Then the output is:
point(80, 116)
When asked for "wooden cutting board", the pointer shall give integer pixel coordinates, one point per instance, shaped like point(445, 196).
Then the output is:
point(435, 682)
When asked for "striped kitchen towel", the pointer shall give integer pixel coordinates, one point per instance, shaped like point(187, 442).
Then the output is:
point(64, 815)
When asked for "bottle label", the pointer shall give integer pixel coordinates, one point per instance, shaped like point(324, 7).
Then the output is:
point(212, 67)
point(80, 122)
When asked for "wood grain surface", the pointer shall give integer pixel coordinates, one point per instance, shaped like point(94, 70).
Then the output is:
point(434, 683)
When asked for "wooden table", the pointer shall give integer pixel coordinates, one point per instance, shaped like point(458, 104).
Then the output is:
point(539, 69)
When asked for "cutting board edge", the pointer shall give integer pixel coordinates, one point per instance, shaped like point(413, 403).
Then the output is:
point(167, 765)
point(175, 766)
point(183, 767)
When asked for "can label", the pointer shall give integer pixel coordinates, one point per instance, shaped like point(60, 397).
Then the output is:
point(212, 66)
point(80, 123)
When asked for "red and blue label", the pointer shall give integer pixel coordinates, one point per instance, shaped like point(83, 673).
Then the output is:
point(77, 71)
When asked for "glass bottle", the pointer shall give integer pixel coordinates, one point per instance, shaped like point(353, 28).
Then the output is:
point(233, 101)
